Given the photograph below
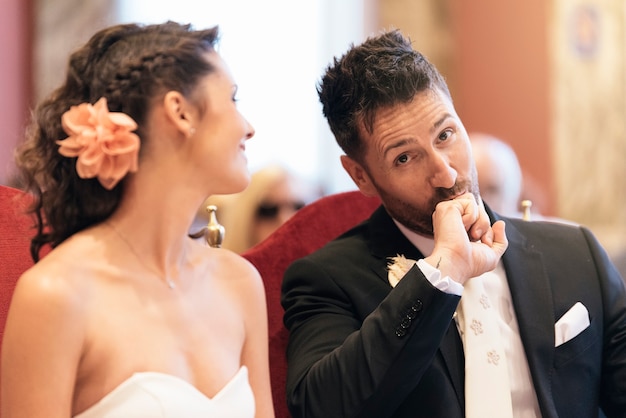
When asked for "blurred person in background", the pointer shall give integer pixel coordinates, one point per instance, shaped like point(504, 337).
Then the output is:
point(499, 174)
point(503, 185)
point(274, 195)
point(502, 181)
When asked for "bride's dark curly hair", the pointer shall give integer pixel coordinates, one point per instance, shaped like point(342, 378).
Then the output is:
point(130, 65)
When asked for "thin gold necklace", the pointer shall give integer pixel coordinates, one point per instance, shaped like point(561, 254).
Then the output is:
point(170, 283)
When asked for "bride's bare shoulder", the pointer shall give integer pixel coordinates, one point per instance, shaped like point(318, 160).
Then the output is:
point(63, 271)
point(231, 267)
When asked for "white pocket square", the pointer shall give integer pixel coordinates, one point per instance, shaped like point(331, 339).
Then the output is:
point(572, 323)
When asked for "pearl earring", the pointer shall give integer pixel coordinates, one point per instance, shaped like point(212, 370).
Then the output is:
point(192, 131)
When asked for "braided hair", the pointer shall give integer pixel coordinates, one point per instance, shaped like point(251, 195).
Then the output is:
point(130, 65)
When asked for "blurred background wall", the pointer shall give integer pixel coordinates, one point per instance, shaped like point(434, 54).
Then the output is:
point(548, 77)
point(15, 77)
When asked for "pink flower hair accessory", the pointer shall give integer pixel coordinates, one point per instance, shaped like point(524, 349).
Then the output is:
point(103, 141)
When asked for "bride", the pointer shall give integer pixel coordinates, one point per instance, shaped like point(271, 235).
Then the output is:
point(126, 314)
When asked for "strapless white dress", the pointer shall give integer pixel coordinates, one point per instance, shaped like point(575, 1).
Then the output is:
point(160, 395)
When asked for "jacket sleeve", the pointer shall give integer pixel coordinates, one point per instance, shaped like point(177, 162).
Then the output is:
point(613, 385)
point(358, 349)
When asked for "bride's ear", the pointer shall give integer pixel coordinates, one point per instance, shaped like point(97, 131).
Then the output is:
point(180, 112)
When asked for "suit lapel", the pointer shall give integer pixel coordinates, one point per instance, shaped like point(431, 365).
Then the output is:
point(386, 241)
point(451, 349)
point(533, 303)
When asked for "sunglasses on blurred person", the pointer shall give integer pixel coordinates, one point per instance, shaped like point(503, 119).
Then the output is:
point(270, 210)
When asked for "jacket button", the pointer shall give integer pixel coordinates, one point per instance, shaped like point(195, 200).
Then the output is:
point(413, 310)
point(406, 322)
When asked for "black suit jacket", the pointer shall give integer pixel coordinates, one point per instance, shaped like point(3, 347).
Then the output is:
point(358, 348)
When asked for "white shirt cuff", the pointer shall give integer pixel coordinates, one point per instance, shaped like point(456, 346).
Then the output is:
point(445, 284)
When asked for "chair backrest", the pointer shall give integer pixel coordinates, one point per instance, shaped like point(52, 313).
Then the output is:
point(15, 234)
point(309, 229)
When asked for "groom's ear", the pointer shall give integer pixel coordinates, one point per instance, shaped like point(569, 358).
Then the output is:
point(359, 176)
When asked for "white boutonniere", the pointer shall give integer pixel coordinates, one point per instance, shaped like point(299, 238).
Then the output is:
point(397, 267)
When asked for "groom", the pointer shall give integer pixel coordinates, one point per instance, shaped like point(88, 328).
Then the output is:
point(365, 344)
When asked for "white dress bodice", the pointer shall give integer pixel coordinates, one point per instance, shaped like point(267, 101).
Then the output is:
point(160, 395)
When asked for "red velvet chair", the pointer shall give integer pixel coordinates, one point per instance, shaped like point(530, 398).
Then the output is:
point(309, 229)
point(15, 234)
